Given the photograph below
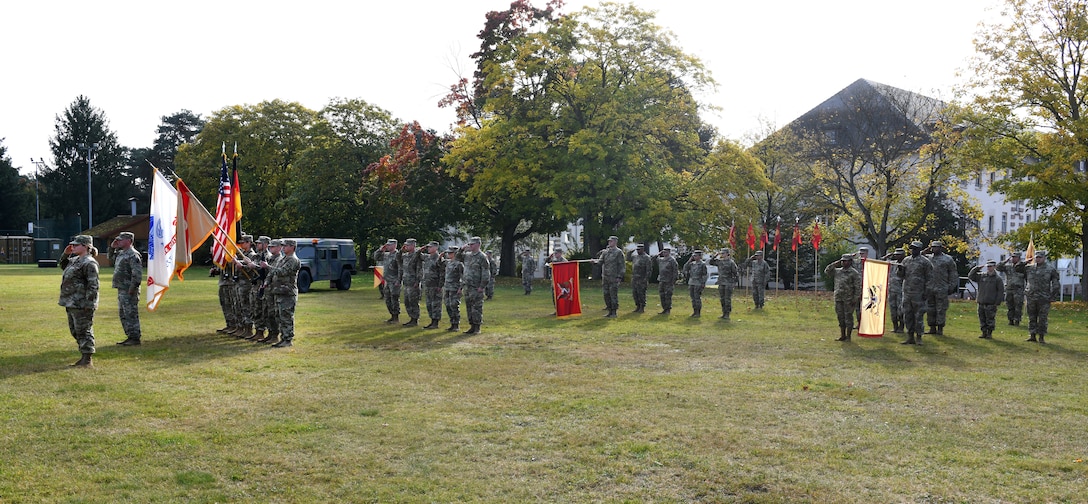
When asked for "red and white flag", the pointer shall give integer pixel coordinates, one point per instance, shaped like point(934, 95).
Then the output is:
point(565, 289)
point(161, 240)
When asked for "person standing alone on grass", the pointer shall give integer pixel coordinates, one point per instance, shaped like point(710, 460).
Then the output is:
point(990, 289)
point(847, 293)
point(127, 277)
point(79, 294)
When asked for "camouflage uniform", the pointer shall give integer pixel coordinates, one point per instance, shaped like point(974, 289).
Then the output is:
point(761, 274)
point(245, 291)
point(945, 281)
point(79, 297)
point(261, 313)
point(228, 298)
point(474, 279)
point(847, 293)
point(916, 272)
point(493, 268)
point(990, 291)
point(391, 276)
point(641, 267)
point(268, 300)
point(127, 277)
point(557, 256)
point(434, 275)
point(895, 293)
point(528, 271)
point(283, 283)
point(1043, 287)
point(1014, 289)
point(695, 271)
point(451, 290)
point(668, 270)
point(728, 276)
point(411, 271)
point(613, 267)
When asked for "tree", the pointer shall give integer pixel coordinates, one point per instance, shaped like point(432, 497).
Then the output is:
point(793, 193)
point(1028, 117)
point(16, 194)
point(872, 151)
point(64, 186)
point(174, 130)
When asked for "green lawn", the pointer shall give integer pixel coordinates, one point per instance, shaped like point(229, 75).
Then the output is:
point(643, 408)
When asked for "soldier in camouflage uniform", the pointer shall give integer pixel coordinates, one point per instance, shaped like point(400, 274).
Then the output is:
point(451, 289)
point(260, 308)
point(895, 289)
point(244, 286)
point(990, 290)
point(477, 272)
point(493, 264)
point(79, 294)
point(641, 267)
point(228, 298)
point(761, 274)
point(268, 301)
point(668, 270)
point(283, 284)
point(128, 274)
point(695, 271)
point(945, 281)
point(847, 293)
point(613, 267)
point(916, 271)
point(386, 257)
point(1043, 287)
point(728, 276)
point(411, 273)
point(528, 271)
point(1014, 288)
point(434, 275)
point(557, 256)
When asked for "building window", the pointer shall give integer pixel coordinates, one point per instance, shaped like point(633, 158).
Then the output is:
point(1004, 222)
point(1028, 219)
point(978, 180)
point(993, 176)
point(990, 224)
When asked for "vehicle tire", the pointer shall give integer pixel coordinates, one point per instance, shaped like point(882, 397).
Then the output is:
point(304, 281)
point(345, 280)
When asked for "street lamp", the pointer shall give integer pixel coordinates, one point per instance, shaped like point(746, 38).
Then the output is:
point(90, 154)
point(38, 166)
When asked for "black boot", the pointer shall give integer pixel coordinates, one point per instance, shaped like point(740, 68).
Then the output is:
point(1041, 338)
point(393, 319)
point(454, 327)
point(940, 330)
point(1032, 338)
point(432, 325)
point(84, 361)
point(910, 339)
point(411, 322)
point(932, 330)
point(473, 329)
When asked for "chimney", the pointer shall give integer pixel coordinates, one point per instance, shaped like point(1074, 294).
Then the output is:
point(132, 205)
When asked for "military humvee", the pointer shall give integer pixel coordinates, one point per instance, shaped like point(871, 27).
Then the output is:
point(331, 259)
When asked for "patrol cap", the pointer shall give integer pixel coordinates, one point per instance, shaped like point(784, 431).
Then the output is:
point(640, 246)
point(124, 235)
point(288, 242)
point(246, 239)
point(991, 263)
point(863, 249)
point(697, 252)
point(1016, 255)
point(391, 241)
point(524, 251)
point(275, 243)
point(936, 243)
point(916, 244)
point(263, 239)
point(666, 249)
point(453, 248)
point(84, 240)
point(474, 239)
point(759, 252)
point(432, 244)
point(1040, 253)
point(727, 251)
point(613, 238)
point(558, 249)
point(847, 257)
point(410, 241)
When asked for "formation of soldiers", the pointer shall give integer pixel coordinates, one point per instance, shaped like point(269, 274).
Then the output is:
point(258, 292)
point(444, 278)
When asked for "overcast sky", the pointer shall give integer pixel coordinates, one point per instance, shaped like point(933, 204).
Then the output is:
point(140, 60)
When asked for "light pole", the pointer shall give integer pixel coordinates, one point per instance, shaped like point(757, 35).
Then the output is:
point(90, 153)
point(38, 165)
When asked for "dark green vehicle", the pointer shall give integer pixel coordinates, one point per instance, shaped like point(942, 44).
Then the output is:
point(331, 259)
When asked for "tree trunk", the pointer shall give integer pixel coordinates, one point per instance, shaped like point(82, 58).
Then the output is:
point(507, 261)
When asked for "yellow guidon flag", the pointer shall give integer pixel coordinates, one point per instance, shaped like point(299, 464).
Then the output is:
point(874, 297)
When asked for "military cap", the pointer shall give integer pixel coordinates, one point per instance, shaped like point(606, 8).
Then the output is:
point(524, 251)
point(613, 238)
point(846, 257)
point(1040, 253)
point(474, 239)
point(697, 252)
point(727, 251)
point(759, 252)
point(275, 243)
point(288, 242)
point(640, 246)
point(1016, 255)
point(488, 252)
point(84, 240)
point(246, 239)
point(124, 235)
point(916, 244)
point(264, 239)
point(936, 243)
point(666, 248)
point(558, 249)
point(453, 248)
point(991, 262)
point(391, 241)
point(432, 244)
point(410, 241)
point(863, 249)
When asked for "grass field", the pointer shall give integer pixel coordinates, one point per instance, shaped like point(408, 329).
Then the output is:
point(643, 408)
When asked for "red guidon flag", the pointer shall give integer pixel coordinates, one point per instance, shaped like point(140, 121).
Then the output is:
point(565, 289)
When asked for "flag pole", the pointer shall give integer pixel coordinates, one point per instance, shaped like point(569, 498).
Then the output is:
point(777, 253)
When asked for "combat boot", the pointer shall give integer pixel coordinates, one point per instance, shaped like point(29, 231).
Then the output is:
point(393, 319)
point(454, 327)
point(432, 325)
point(697, 313)
point(1041, 338)
point(665, 311)
point(283, 344)
point(611, 314)
point(84, 361)
point(910, 339)
point(940, 330)
point(918, 340)
point(932, 330)
point(257, 335)
point(271, 338)
point(1032, 338)
point(411, 322)
point(223, 330)
point(842, 334)
point(985, 335)
point(245, 332)
point(473, 329)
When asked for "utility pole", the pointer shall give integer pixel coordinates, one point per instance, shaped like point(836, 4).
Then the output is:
point(90, 155)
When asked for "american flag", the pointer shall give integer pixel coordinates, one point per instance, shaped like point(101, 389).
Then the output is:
point(224, 217)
